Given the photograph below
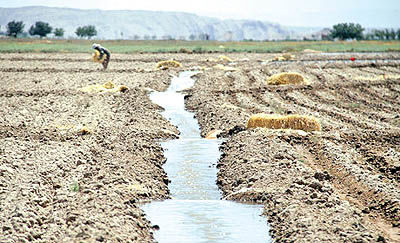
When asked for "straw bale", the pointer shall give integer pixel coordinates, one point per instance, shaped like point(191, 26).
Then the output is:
point(287, 78)
point(284, 57)
point(288, 56)
point(213, 134)
point(84, 130)
point(108, 87)
point(96, 57)
point(168, 64)
point(295, 122)
point(279, 58)
point(223, 58)
point(73, 128)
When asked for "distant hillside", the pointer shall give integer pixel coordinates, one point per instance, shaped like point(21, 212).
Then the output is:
point(128, 24)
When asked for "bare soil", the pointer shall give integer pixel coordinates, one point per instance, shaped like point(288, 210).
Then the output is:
point(75, 166)
point(338, 185)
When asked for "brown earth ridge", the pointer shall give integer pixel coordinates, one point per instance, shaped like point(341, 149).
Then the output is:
point(74, 166)
point(337, 185)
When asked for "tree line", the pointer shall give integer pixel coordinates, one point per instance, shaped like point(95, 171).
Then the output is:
point(42, 29)
point(341, 31)
point(345, 31)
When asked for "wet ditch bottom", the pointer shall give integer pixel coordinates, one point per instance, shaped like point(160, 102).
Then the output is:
point(196, 212)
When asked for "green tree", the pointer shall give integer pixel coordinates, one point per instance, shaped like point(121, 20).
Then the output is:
point(346, 31)
point(41, 29)
point(91, 31)
point(392, 34)
point(59, 32)
point(80, 32)
point(369, 36)
point(380, 34)
point(88, 30)
point(398, 34)
point(387, 34)
point(14, 28)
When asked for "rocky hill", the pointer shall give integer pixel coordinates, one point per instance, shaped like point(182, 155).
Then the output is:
point(129, 24)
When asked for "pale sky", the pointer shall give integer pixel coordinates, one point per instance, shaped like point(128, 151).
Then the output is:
point(318, 13)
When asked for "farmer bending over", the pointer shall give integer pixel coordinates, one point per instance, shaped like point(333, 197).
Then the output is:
point(102, 55)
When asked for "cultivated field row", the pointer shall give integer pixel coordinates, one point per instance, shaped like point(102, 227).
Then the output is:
point(76, 164)
point(356, 153)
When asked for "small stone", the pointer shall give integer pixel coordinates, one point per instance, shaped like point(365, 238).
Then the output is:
point(100, 239)
point(381, 239)
point(366, 210)
point(316, 186)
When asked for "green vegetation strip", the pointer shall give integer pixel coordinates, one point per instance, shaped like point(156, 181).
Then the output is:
point(131, 46)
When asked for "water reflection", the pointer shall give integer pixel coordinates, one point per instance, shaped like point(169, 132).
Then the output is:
point(196, 213)
point(207, 221)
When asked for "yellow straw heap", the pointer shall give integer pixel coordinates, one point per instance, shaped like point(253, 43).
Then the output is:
point(287, 78)
point(296, 122)
point(96, 57)
point(108, 87)
point(168, 64)
point(223, 58)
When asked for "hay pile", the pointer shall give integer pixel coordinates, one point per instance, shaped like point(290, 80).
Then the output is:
point(168, 64)
point(213, 134)
point(295, 122)
point(287, 78)
point(225, 59)
point(96, 57)
point(74, 129)
point(108, 87)
point(285, 57)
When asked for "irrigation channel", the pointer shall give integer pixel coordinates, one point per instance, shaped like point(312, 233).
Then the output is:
point(196, 212)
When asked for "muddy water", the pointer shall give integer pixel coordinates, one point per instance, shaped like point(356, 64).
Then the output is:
point(195, 213)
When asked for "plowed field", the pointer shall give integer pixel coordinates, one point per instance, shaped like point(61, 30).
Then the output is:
point(74, 165)
point(340, 184)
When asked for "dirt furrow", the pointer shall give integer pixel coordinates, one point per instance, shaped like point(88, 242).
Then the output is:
point(73, 165)
point(337, 185)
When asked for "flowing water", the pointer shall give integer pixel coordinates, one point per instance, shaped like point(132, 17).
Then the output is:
point(195, 213)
